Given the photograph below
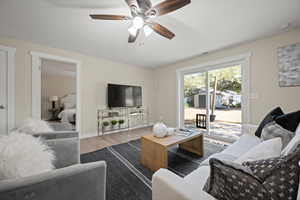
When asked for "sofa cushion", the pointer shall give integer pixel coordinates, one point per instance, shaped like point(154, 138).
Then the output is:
point(289, 121)
point(198, 177)
point(267, 149)
point(220, 156)
point(273, 130)
point(242, 145)
point(231, 181)
point(268, 118)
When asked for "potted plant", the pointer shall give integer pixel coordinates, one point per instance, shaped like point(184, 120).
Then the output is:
point(114, 124)
point(121, 123)
point(105, 125)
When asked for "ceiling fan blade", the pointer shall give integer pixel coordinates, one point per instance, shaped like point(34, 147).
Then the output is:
point(167, 7)
point(132, 3)
point(161, 30)
point(110, 17)
point(132, 38)
point(145, 4)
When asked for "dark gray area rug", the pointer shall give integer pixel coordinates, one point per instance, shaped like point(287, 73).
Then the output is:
point(128, 179)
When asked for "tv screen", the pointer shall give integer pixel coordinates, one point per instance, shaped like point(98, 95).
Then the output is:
point(124, 96)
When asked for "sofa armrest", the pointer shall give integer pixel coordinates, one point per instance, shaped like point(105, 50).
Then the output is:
point(66, 146)
point(167, 185)
point(78, 182)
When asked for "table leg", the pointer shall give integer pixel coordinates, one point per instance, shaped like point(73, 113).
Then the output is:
point(154, 156)
point(195, 145)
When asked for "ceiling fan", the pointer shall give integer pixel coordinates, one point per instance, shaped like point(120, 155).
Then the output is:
point(142, 14)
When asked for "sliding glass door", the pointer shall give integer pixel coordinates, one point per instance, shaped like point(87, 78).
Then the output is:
point(213, 101)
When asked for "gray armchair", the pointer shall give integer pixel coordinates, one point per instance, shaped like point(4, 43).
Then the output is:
point(70, 181)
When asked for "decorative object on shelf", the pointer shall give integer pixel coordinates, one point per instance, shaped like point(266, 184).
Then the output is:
point(289, 65)
point(114, 124)
point(170, 131)
point(160, 130)
point(105, 125)
point(121, 123)
point(53, 99)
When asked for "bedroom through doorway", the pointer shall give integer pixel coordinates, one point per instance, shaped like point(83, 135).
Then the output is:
point(58, 94)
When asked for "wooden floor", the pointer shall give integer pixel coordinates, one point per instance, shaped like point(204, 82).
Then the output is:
point(96, 143)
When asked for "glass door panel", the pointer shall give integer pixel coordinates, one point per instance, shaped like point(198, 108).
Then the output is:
point(195, 90)
point(225, 110)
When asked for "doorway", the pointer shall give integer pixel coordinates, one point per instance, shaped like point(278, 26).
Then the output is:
point(214, 98)
point(56, 91)
point(7, 89)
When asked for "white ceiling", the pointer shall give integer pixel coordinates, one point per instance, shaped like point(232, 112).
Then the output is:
point(202, 26)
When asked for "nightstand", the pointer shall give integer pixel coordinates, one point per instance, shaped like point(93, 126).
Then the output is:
point(54, 114)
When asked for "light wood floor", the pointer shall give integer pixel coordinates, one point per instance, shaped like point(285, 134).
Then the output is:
point(96, 143)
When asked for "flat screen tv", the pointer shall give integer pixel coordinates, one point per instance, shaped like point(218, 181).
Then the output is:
point(124, 96)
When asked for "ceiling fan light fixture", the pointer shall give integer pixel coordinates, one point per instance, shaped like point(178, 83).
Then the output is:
point(132, 30)
point(138, 22)
point(147, 30)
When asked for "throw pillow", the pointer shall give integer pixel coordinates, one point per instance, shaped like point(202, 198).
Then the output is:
point(266, 149)
point(229, 181)
point(268, 118)
point(23, 155)
point(280, 176)
point(289, 121)
point(293, 143)
point(273, 130)
point(33, 126)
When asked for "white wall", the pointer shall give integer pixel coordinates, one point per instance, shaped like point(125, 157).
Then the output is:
point(159, 84)
point(264, 81)
point(95, 74)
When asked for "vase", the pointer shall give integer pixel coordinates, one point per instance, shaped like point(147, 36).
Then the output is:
point(160, 130)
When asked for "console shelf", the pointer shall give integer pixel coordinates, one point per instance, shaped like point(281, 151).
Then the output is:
point(131, 117)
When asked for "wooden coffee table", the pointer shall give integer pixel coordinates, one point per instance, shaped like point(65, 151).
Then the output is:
point(155, 150)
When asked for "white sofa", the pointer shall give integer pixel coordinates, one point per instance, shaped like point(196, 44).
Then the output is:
point(167, 185)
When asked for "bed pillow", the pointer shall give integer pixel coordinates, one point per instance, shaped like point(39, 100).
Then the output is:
point(68, 105)
point(293, 143)
point(33, 126)
point(268, 118)
point(289, 121)
point(231, 181)
point(23, 155)
point(273, 130)
point(267, 149)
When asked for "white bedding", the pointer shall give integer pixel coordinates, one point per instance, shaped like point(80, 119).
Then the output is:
point(67, 115)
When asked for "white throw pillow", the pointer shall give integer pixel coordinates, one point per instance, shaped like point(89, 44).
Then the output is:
point(23, 155)
point(267, 149)
point(293, 143)
point(33, 126)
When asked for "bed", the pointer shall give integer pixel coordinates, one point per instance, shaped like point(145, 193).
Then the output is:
point(68, 109)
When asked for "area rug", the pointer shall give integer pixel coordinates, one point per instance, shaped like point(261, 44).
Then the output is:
point(128, 179)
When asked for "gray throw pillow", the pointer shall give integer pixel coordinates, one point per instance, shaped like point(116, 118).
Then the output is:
point(280, 176)
point(272, 130)
point(230, 181)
